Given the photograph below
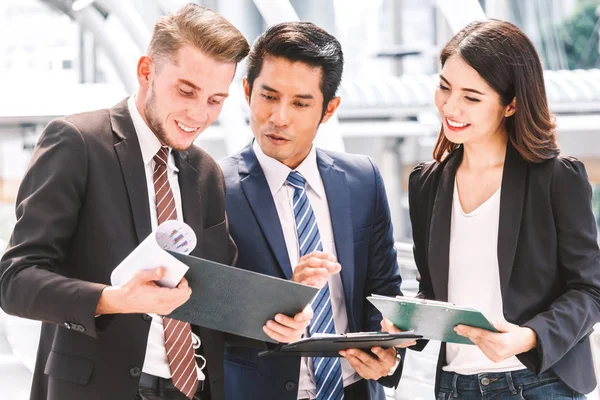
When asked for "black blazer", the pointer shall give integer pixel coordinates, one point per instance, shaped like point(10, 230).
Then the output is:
point(548, 255)
point(81, 208)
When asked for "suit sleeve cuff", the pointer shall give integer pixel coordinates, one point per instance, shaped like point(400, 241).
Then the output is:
point(86, 322)
point(534, 358)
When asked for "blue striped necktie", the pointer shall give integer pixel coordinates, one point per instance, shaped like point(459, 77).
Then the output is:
point(328, 370)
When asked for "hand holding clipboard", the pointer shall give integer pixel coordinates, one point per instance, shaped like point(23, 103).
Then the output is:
point(434, 320)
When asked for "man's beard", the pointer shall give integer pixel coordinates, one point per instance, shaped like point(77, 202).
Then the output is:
point(156, 126)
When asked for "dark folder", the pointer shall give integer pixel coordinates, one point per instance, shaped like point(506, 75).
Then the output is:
point(329, 345)
point(237, 301)
point(433, 320)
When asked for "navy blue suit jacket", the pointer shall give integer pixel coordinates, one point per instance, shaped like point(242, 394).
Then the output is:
point(364, 242)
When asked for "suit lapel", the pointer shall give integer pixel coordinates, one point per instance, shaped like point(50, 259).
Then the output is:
point(512, 197)
point(257, 192)
point(439, 230)
point(129, 155)
point(191, 196)
point(339, 201)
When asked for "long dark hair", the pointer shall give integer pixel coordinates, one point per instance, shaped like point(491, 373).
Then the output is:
point(506, 59)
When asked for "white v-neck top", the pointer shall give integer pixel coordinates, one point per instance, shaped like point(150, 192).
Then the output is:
point(474, 280)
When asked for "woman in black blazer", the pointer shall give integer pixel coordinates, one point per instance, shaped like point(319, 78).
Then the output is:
point(503, 223)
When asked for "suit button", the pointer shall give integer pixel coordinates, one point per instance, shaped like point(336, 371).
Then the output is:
point(146, 317)
point(135, 372)
point(290, 386)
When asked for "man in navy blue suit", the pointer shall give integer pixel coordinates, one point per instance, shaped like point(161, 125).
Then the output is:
point(312, 216)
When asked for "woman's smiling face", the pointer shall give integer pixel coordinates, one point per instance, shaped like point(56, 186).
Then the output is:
point(470, 110)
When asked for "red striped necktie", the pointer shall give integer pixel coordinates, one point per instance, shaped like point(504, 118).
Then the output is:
point(178, 335)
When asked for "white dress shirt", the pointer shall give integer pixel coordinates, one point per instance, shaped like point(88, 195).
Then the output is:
point(156, 362)
point(474, 280)
point(276, 174)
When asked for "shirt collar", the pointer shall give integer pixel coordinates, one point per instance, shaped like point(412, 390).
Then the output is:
point(149, 143)
point(276, 172)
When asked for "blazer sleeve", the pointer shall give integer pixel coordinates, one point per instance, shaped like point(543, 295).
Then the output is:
point(571, 317)
point(33, 283)
point(383, 275)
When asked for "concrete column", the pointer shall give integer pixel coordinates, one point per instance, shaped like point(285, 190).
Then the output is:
point(87, 57)
point(499, 9)
point(459, 13)
point(397, 34)
point(319, 12)
point(392, 172)
point(131, 20)
point(124, 62)
point(244, 15)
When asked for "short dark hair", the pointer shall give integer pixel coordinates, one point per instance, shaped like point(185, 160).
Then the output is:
point(506, 59)
point(304, 42)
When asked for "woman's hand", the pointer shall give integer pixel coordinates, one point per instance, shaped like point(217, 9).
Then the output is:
point(509, 341)
point(387, 326)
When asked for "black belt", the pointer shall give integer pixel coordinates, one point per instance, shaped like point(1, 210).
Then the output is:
point(159, 384)
point(154, 382)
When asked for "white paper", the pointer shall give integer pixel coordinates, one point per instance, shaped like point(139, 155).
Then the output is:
point(171, 235)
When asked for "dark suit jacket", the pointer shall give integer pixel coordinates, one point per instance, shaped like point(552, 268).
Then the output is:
point(548, 255)
point(364, 243)
point(81, 208)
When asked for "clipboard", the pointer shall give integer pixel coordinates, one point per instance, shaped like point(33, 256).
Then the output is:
point(330, 345)
point(237, 301)
point(434, 320)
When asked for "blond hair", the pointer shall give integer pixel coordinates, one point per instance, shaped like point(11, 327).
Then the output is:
point(200, 27)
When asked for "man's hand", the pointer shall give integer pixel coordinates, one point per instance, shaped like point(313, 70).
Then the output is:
point(510, 341)
point(387, 326)
point(287, 329)
point(141, 294)
point(314, 268)
point(370, 367)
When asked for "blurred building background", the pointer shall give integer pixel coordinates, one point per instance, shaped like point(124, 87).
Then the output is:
point(58, 57)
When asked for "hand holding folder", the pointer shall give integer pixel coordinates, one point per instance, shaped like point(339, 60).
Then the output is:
point(223, 298)
point(434, 320)
point(330, 345)
point(237, 301)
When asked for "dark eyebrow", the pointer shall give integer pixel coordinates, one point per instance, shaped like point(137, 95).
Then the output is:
point(465, 89)
point(305, 96)
point(301, 96)
point(195, 87)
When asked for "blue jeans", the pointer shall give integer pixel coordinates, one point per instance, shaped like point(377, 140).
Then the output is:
point(518, 385)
